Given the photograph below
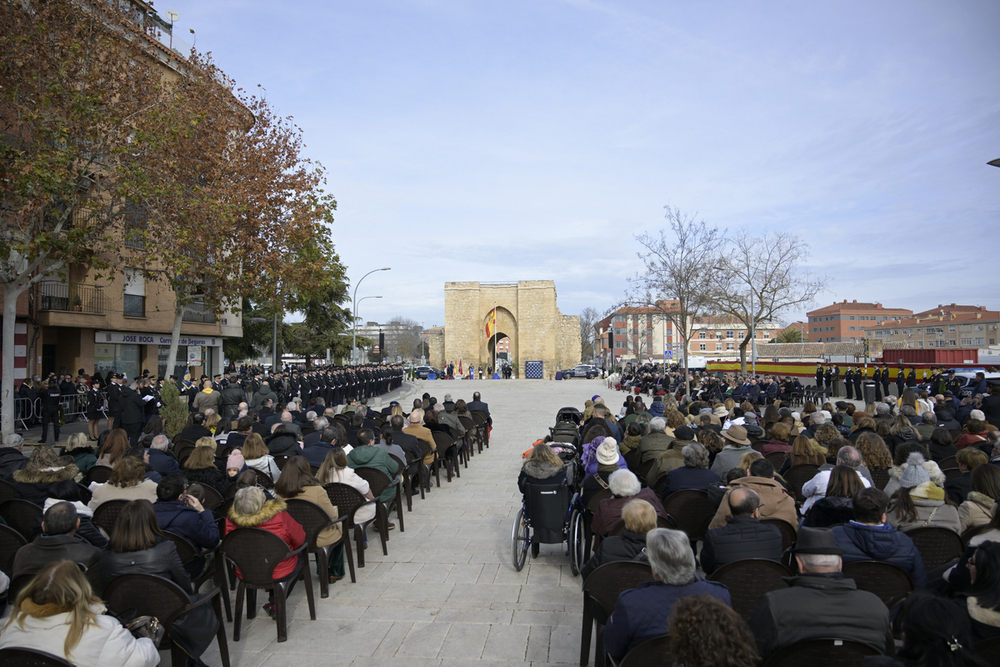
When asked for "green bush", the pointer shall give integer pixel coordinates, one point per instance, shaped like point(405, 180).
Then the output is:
point(174, 410)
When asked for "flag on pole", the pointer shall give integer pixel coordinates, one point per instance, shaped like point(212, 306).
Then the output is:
point(491, 323)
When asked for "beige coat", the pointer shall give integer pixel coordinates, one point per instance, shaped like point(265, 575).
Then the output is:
point(975, 511)
point(777, 503)
point(317, 496)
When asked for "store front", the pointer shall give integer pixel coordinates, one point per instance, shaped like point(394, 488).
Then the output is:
point(131, 353)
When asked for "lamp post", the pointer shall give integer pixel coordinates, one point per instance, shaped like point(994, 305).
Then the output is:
point(354, 306)
point(356, 327)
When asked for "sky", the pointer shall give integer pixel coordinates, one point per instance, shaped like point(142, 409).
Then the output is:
point(534, 139)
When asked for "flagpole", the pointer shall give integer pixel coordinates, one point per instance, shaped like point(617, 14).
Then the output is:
point(494, 337)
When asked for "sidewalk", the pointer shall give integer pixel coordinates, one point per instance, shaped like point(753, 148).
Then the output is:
point(447, 594)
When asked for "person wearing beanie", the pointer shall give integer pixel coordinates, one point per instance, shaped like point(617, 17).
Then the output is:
point(235, 464)
point(919, 502)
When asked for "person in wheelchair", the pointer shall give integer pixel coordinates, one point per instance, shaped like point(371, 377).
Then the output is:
point(542, 466)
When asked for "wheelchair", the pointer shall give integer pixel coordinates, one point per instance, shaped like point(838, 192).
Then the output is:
point(550, 514)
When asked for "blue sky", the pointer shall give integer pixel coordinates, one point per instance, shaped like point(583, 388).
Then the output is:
point(523, 140)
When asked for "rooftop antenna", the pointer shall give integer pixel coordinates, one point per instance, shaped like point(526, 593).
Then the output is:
point(172, 16)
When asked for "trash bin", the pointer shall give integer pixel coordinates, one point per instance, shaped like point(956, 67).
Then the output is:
point(869, 389)
point(559, 375)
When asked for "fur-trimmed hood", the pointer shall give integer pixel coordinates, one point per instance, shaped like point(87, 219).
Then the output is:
point(980, 499)
point(541, 469)
point(47, 475)
point(270, 510)
point(932, 469)
point(984, 615)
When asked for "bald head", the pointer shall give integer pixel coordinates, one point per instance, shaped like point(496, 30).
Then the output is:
point(744, 502)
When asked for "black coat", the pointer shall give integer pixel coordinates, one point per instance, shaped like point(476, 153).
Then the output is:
point(283, 444)
point(11, 460)
point(34, 556)
point(741, 537)
point(161, 560)
point(132, 407)
point(626, 546)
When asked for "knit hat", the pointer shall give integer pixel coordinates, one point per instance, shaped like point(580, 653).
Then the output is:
point(915, 473)
point(607, 452)
point(235, 460)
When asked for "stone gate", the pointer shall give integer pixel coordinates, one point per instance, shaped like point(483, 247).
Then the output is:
point(526, 312)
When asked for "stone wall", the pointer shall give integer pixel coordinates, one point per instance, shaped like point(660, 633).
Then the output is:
point(527, 313)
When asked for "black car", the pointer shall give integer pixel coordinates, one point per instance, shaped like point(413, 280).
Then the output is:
point(423, 371)
point(581, 371)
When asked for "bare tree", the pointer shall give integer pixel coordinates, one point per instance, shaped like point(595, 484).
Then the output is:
point(679, 273)
point(760, 276)
point(588, 332)
point(402, 338)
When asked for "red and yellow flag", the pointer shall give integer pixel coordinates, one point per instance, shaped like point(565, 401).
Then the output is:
point(491, 323)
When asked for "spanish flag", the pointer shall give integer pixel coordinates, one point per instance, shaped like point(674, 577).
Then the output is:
point(491, 323)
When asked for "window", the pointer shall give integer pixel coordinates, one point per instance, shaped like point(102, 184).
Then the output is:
point(730, 346)
point(135, 218)
point(729, 335)
point(134, 303)
point(702, 347)
point(702, 335)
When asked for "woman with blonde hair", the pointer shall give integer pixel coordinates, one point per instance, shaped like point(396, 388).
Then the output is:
point(803, 451)
point(57, 612)
point(200, 467)
point(748, 458)
point(212, 424)
point(128, 482)
point(875, 455)
point(78, 446)
point(257, 456)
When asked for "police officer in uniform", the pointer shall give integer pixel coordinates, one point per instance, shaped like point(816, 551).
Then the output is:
point(885, 380)
point(819, 376)
point(836, 380)
point(849, 383)
point(859, 376)
point(877, 377)
point(911, 378)
point(900, 380)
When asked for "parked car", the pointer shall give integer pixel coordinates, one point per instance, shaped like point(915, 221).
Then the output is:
point(967, 380)
point(423, 371)
point(581, 371)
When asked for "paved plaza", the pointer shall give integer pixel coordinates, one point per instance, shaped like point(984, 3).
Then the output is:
point(447, 593)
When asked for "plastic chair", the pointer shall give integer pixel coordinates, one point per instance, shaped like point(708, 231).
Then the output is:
point(889, 582)
point(653, 652)
point(425, 451)
point(948, 462)
point(10, 541)
point(213, 499)
point(777, 459)
point(106, 514)
point(445, 452)
point(23, 516)
point(347, 500)
point(263, 479)
point(937, 546)
point(749, 579)
point(592, 506)
point(788, 532)
point(600, 595)
point(255, 553)
point(826, 652)
point(7, 490)
point(881, 478)
point(482, 421)
point(157, 596)
point(692, 510)
point(187, 552)
point(472, 431)
point(379, 482)
point(314, 520)
point(989, 650)
point(951, 473)
point(799, 475)
point(100, 474)
point(27, 657)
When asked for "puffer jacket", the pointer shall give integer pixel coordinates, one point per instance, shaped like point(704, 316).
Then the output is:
point(828, 511)
point(38, 485)
point(626, 546)
point(198, 527)
point(741, 537)
point(273, 518)
point(11, 460)
point(885, 543)
point(932, 511)
point(84, 457)
point(629, 443)
point(283, 444)
point(976, 510)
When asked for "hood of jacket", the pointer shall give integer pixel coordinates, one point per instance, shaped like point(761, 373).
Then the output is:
point(364, 455)
point(937, 477)
point(984, 615)
point(46, 475)
point(266, 391)
point(879, 542)
point(271, 509)
point(974, 496)
point(656, 408)
point(541, 469)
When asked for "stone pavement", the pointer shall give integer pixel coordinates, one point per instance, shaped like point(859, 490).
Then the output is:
point(447, 593)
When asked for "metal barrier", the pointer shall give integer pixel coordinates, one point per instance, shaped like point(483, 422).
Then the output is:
point(28, 411)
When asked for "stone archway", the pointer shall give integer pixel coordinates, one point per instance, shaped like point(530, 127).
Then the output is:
point(506, 328)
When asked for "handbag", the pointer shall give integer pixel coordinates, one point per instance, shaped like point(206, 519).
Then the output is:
point(146, 626)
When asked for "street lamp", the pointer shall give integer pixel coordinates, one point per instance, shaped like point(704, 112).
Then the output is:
point(354, 306)
point(356, 325)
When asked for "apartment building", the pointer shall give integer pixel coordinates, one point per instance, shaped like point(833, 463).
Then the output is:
point(847, 321)
point(953, 325)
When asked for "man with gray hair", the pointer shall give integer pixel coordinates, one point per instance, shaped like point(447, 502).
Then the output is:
point(624, 486)
point(815, 488)
point(883, 413)
point(158, 458)
point(644, 612)
point(820, 602)
point(695, 473)
point(318, 424)
point(655, 442)
point(11, 458)
point(928, 422)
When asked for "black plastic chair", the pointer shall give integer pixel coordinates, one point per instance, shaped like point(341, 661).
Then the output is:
point(425, 473)
point(447, 453)
point(749, 579)
point(99, 474)
point(23, 516)
point(106, 514)
point(314, 520)
point(151, 595)
point(472, 431)
point(600, 595)
point(347, 500)
point(7, 490)
point(881, 477)
point(653, 652)
point(10, 541)
point(263, 479)
point(788, 532)
point(989, 650)
point(379, 482)
point(777, 459)
point(255, 553)
point(826, 652)
point(937, 546)
point(693, 512)
point(889, 582)
point(798, 475)
point(188, 552)
point(482, 421)
point(213, 499)
point(27, 657)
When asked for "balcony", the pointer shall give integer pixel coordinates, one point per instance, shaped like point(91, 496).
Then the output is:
point(71, 297)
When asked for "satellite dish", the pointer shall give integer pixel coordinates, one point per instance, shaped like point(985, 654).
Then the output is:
point(172, 15)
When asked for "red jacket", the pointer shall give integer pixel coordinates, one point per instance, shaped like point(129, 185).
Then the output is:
point(274, 519)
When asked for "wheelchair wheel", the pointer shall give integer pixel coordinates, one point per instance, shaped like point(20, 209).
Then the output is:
point(519, 540)
point(577, 542)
